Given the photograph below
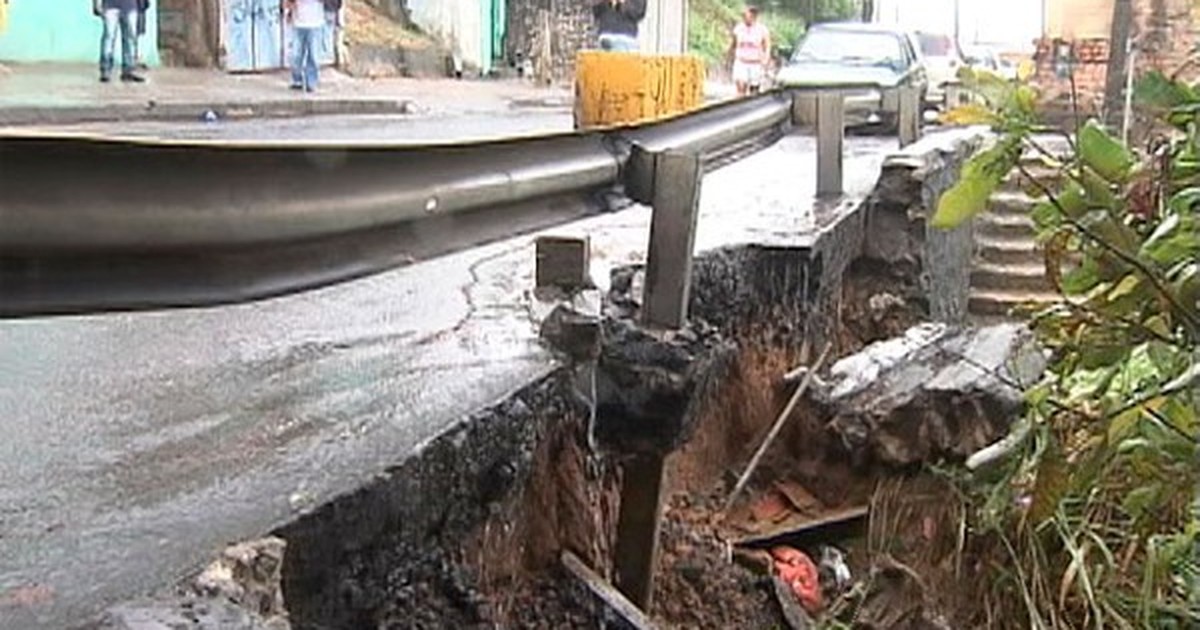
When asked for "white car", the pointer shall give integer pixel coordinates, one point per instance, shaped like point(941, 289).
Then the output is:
point(984, 58)
point(942, 59)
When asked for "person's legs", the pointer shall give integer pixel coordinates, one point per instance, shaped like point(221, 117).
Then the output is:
point(755, 78)
point(740, 78)
point(314, 63)
point(298, 59)
point(108, 42)
point(306, 59)
point(129, 46)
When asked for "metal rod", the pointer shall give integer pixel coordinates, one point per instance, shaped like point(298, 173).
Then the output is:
point(775, 428)
point(1127, 119)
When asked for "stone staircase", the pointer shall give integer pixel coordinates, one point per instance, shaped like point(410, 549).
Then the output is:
point(1009, 268)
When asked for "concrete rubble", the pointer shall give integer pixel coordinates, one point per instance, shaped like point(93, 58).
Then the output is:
point(936, 392)
point(241, 589)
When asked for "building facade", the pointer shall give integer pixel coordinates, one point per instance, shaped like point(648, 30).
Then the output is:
point(63, 31)
point(551, 32)
point(1075, 47)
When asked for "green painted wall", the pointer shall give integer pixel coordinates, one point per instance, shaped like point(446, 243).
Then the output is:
point(63, 31)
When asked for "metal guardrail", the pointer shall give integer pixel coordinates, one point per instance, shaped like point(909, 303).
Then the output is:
point(94, 225)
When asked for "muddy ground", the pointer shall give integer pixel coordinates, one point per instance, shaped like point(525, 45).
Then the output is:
point(508, 573)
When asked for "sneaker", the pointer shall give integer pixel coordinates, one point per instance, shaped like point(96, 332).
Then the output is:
point(104, 78)
point(130, 77)
point(296, 86)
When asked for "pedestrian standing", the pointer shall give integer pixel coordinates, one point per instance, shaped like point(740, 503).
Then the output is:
point(751, 51)
point(617, 22)
point(120, 21)
point(308, 21)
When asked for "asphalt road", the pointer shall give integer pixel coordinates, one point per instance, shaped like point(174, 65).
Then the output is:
point(460, 127)
point(134, 446)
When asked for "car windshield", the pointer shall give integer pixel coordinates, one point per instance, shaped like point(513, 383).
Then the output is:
point(858, 47)
point(937, 45)
point(980, 58)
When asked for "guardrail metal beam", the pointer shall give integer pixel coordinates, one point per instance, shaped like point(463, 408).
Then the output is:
point(92, 225)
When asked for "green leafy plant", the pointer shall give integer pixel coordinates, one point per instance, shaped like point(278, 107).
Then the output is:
point(1098, 507)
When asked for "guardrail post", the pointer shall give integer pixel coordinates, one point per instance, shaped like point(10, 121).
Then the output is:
point(675, 196)
point(831, 129)
point(670, 182)
point(908, 115)
point(638, 526)
point(953, 95)
point(562, 262)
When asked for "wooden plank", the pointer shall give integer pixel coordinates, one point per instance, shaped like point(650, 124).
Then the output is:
point(676, 200)
point(611, 597)
point(638, 527)
point(792, 528)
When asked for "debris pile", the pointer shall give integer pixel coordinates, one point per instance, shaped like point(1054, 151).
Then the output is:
point(933, 394)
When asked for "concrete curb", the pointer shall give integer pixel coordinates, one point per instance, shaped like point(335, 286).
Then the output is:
point(232, 110)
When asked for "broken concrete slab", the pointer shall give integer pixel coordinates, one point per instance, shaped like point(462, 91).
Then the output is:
point(937, 392)
point(898, 231)
point(241, 590)
point(649, 383)
point(193, 612)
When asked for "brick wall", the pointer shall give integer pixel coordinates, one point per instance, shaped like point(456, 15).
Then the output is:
point(1164, 31)
point(572, 29)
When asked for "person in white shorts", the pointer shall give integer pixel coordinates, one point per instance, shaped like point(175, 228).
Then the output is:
point(751, 51)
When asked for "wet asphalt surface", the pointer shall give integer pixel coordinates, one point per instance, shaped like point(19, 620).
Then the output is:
point(134, 446)
point(439, 127)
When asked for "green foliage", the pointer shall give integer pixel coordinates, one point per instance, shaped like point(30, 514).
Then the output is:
point(1099, 509)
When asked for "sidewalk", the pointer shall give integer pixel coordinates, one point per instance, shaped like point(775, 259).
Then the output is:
point(55, 94)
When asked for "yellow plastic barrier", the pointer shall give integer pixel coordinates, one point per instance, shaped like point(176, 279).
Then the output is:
point(613, 89)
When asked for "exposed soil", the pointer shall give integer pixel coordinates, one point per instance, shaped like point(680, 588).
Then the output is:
point(878, 302)
point(508, 574)
point(569, 504)
point(698, 584)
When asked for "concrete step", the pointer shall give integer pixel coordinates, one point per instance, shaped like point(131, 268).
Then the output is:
point(1000, 303)
point(1008, 202)
point(1026, 277)
point(1007, 251)
point(1004, 226)
point(1017, 181)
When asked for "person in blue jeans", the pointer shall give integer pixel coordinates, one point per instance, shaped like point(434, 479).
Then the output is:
point(120, 19)
point(308, 19)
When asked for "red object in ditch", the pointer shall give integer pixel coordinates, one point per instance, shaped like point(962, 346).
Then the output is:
point(800, 573)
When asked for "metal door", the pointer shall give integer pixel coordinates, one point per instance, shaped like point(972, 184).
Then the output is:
point(239, 35)
point(254, 35)
point(327, 50)
point(268, 34)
